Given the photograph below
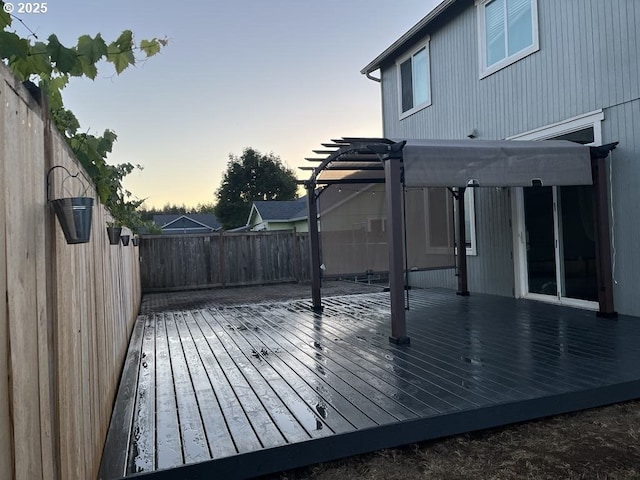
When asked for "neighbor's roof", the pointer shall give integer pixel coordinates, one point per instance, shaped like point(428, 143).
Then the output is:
point(207, 220)
point(282, 210)
point(407, 38)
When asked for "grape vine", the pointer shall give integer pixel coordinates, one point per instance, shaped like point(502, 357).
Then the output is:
point(50, 64)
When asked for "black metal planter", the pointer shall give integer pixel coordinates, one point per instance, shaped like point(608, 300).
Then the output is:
point(74, 215)
point(114, 235)
point(124, 239)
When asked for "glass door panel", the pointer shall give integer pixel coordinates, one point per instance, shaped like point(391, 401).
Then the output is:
point(578, 253)
point(540, 240)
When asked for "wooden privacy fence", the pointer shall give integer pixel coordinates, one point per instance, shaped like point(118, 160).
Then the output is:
point(178, 262)
point(66, 311)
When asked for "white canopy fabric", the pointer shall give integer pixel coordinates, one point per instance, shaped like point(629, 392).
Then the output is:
point(500, 163)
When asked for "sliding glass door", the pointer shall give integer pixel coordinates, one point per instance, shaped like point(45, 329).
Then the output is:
point(559, 240)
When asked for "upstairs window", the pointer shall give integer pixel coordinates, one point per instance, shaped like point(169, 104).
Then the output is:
point(414, 81)
point(508, 32)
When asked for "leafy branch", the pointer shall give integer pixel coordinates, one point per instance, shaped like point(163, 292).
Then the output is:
point(51, 64)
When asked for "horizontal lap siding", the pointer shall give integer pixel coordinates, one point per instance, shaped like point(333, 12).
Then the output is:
point(66, 311)
point(228, 259)
point(589, 59)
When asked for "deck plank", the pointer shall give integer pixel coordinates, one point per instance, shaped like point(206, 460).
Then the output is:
point(261, 422)
point(243, 436)
point(116, 449)
point(380, 408)
point(142, 452)
point(375, 354)
point(337, 407)
point(168, 438)
point(195, 447)
point(213, 420)
point(273, 394)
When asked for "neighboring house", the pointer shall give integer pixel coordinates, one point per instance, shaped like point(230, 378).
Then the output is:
point(278, 215)
point(187, 223)
point(528, 69)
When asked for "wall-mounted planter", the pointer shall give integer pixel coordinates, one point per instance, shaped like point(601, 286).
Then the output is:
point(74, 215)
point(136, 241)
point(124, 239)
point(114, 235)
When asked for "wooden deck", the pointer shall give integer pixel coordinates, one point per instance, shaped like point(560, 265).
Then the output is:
point(248, 390)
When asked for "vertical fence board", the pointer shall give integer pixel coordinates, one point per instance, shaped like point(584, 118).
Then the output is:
point(6, 437)
point(21, 273)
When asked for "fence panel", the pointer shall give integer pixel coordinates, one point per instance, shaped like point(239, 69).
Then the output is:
point(66, 311)
point(178, 262)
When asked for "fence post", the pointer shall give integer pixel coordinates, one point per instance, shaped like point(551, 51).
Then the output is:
point(221, 263)
point(296, 260)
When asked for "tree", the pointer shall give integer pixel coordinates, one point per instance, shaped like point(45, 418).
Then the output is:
point(51, 65)
point(252, 176)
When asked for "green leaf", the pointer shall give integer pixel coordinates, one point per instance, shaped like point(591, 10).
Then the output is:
point(5, 18)
point(121, 60)
point(88, 69)
point(92, 49)
point(125, 41)
point(11, 45)
point(150, 47)
point(66, 59)
point(120, 52)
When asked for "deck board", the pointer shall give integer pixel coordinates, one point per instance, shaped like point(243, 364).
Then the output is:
point(168, 445)
point(236, 391)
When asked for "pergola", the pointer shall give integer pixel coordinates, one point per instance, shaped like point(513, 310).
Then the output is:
point(457, 165)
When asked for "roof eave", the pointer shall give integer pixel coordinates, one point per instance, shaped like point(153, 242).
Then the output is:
point(407, 37)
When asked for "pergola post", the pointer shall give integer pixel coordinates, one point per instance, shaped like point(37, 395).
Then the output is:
point(462, 247)
point(314, 246)
point(603, 240)
point(393, 183)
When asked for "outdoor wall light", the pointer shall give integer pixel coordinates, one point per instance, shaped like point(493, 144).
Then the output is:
point(74, 213)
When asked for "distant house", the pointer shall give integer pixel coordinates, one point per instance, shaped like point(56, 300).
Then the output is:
point(278, 215)
point(187, 223)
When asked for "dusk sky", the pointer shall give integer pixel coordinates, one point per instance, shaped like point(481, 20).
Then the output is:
point(280, 76)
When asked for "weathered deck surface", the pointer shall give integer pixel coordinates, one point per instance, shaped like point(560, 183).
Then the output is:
point(237, 391)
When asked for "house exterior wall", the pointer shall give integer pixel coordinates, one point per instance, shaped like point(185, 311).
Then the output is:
point(589, 59)
point(300, 226)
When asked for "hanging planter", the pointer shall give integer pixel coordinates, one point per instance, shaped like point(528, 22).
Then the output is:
point(124, 239)
point(74, 213)
point(113, 233)
point(135, 241)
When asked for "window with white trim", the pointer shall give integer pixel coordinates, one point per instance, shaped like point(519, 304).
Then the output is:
point(508, 31)
point(414, 80)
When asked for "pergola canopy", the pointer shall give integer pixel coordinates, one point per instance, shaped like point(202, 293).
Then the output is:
point(500, 163)
point(457, 163)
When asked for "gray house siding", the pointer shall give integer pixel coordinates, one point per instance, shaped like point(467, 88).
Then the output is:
point(622, 124)
point(589, 59)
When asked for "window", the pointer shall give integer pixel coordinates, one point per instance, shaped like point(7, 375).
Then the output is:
point(508, 32)
point(414, 81)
